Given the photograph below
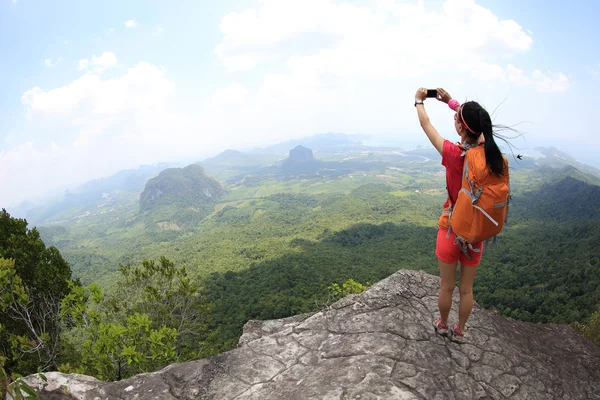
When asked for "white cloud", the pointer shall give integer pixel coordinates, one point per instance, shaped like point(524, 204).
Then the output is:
point(516, 76)
point(511, 75)
point(368, 40)
point(99, 126)
point(594, 71)
point(551, 82)
point(142, 86)
point(232, 94)
point(235, 63)
point(349, 66)
point(131, 23)
point(99, 63)
point(321, 39)
point(158, 31)
point(83, 64)
point(48, 62)
point(107, 59)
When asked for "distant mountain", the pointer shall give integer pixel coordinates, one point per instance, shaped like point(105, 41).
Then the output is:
point(300, 160)
point(232, 163)
point(556, 158)
point(226, 157)
point(180, 197)
point(332, 155)
point(546, 174)
point(326, 142)
point(88, 194)
point(126, 180)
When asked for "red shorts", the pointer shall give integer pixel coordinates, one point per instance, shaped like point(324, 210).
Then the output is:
point(449, 252)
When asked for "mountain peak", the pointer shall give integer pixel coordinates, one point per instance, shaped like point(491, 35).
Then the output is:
point(300, 155)
point(299, 159)
point(181, 195)
point(378, 344)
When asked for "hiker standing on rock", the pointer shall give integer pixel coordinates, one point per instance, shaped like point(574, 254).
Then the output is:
point(483, 188)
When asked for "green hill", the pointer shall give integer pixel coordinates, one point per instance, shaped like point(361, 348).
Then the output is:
point(566, 200)
point(180, 197)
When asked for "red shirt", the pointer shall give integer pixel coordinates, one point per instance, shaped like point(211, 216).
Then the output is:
point(453, 160)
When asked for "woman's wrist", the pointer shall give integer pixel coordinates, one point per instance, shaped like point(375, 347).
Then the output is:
point(453, 104)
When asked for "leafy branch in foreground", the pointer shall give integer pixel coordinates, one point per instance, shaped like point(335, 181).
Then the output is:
point(14, 299)
point(114, 344)
point(157, 318)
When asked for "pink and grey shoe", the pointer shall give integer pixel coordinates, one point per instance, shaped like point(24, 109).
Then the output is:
point(456, 334)
point(440, 328)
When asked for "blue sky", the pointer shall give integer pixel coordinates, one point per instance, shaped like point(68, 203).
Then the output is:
point(89, 88)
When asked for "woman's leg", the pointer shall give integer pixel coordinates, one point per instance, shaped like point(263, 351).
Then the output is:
point(448, 275)
point(465, 288)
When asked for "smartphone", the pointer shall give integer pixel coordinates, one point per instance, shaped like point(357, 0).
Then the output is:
point(431, 92)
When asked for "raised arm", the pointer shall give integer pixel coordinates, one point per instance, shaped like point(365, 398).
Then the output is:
point(432, 134)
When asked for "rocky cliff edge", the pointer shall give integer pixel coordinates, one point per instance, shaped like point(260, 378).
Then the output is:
point(376, 345)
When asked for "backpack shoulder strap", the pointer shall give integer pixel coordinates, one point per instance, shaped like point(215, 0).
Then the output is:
point(466, 147)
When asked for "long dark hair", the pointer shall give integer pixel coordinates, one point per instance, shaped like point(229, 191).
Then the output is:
point(478, 121)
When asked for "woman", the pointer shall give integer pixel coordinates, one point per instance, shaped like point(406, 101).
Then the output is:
point(474, 126)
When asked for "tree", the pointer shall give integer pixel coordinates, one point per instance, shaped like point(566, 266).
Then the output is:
point(34, 281)
point(166, 294)
point(114, 344)
point(12, 296)
point(157, 318)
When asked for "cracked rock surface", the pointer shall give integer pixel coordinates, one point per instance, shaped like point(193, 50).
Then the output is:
point(376, 345)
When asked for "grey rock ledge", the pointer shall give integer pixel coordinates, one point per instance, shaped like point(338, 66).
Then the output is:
point(376, 345)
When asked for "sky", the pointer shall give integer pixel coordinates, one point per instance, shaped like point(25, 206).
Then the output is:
point(91, 88)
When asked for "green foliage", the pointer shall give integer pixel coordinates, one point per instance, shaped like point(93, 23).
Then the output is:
point(11, 285)
point(14, 386)
point(115, 344)
point(591, 330)
point(12, 295)
point(166, 294)
point(178, 198)
point(158, 317)
point(550, 200)
point(33, 280)
point(348, 287)
point(297, 282)
point(40, 268)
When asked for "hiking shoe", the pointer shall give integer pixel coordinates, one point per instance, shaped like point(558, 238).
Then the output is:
point(439, 327)
point(456, 334)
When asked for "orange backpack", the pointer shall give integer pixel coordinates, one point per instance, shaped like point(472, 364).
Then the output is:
point(481, 207)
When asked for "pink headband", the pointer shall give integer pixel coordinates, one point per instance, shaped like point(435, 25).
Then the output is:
point(464, 123)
